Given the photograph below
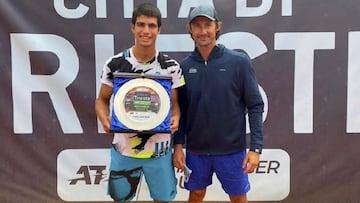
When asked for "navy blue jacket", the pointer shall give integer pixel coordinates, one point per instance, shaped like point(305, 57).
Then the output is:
point(217, 95)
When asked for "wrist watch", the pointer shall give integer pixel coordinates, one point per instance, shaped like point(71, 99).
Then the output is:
point(257, 150)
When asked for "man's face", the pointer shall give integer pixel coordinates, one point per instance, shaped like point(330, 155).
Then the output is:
point(203, 31)
point(145, 30)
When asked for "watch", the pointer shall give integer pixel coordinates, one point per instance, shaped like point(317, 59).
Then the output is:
point(257, 150)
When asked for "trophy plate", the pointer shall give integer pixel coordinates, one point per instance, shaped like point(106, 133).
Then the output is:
point(141, 104)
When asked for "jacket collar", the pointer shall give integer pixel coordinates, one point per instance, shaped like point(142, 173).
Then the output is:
point(216, 52)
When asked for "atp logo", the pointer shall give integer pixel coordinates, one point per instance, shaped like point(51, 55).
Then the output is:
point(82, 174)
point(91, 174)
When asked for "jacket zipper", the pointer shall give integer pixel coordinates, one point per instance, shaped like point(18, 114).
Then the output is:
point(206, 102)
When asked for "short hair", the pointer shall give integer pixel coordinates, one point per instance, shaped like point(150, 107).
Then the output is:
point(146, 9)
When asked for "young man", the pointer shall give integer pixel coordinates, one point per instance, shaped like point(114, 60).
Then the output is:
point(129, 160)
point(220, 89)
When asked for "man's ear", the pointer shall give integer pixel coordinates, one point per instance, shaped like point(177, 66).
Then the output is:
point(132, 27)
point(218, 26)
point(188, 28)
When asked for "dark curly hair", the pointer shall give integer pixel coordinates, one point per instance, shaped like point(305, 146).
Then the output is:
point(146, 9)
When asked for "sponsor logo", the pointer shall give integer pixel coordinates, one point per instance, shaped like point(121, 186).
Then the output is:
point(85, 171)
point(82, 175)
point(192, 70)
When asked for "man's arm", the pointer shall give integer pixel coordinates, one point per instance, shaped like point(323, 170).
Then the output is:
point(255, 107)
point(102, 108)
point(175, 111)
point(179, 136)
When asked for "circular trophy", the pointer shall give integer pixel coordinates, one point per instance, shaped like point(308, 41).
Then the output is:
point(141, 104)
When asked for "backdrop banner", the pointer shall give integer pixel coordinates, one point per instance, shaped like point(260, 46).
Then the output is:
point(305, 54)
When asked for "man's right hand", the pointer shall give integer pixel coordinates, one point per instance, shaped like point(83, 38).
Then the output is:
point(179, 157)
